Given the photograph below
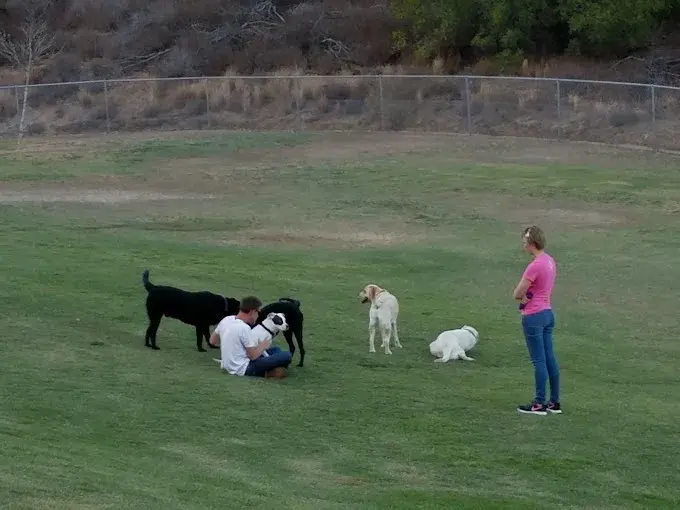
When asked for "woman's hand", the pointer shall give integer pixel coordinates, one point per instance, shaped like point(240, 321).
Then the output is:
point(525, 300)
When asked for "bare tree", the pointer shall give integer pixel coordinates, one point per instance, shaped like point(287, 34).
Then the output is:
point(32, 43)
point(261, 20)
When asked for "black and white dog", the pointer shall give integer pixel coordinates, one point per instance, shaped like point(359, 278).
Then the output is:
point(266, 331)
point(199, 309)
point(290, 308)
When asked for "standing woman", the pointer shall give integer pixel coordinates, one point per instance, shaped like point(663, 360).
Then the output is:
point(533, 292)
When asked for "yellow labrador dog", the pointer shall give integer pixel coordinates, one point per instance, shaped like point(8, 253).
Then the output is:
point(382, 314)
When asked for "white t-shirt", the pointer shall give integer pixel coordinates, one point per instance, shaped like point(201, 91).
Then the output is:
point(234, 338)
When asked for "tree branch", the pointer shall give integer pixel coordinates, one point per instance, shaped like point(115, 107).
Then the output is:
point(129, 62)
point(261, 20)
point(660, 70)
point(336, 48)
point(35, 43)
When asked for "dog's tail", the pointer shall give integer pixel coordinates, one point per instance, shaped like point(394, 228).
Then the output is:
point(145, 280)
point(291, 300)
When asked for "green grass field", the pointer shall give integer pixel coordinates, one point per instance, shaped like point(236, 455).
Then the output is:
point(90, 418)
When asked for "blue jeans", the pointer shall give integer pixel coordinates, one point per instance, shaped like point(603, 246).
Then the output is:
point(538, 332)
point(277, 358)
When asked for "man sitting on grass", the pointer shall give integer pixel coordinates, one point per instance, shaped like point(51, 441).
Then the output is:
point(241, 354)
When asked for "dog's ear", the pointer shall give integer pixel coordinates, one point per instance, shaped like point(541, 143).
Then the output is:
point(271, 316)
point(375, 289)
point(371, 291)
point(277, 320)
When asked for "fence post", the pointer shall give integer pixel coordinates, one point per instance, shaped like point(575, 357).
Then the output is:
point(558, 98)
point(468, 106)
point(207, 102)
point(106, 104)
point(652, 91)
point(382, 104)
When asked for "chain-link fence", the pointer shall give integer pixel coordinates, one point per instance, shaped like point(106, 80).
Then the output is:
point(613, 112)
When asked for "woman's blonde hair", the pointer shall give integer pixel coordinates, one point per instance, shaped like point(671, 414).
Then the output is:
point(535, 236)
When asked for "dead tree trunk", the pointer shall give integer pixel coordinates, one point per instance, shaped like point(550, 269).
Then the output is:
point(27, 82)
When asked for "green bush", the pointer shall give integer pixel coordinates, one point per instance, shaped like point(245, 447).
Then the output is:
point(597, 28)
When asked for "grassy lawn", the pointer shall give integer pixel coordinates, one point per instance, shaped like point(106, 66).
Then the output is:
point(92, 419)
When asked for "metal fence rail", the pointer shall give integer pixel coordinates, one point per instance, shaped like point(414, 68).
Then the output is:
point(605, 111)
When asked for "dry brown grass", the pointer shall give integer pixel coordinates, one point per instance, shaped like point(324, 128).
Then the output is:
point(289, 100)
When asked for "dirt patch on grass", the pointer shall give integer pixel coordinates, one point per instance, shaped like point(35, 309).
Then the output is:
point(562, 217)
point(99, 196)
point(551, 214)
point(337, 239)
point(305, 468)
point(327, 147)
point(348, 146)
point(241, 169)
point(95, 141)
point(333, 145)
point(253, 172)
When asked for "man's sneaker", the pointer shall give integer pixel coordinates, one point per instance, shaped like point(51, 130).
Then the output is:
point(275, 373)
point(554, 408)
point(533, 409)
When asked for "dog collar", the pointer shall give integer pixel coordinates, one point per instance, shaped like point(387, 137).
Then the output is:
point(269, 331)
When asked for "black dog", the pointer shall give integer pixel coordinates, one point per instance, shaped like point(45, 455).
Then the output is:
point(198, 309)
point(290, 308)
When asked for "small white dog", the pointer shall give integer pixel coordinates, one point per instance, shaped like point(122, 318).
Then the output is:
point(382, 314)
point(453, 344)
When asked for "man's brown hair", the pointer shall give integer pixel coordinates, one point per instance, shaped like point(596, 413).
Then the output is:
point(535, 236)
point(250, 303)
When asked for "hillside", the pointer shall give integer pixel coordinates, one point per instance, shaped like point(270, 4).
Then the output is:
point(73, 40)
point(112, 38)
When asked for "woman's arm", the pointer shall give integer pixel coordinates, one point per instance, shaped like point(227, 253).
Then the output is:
point(528, 277)
point(520, 292)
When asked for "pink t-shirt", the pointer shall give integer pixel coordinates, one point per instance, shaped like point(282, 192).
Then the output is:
point(541, 273)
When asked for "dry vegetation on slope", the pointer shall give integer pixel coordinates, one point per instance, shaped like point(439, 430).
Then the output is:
point(596, 113)
point(102, 39)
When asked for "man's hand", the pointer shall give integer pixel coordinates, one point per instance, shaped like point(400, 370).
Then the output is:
point(256, 352)
point(214, 338)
